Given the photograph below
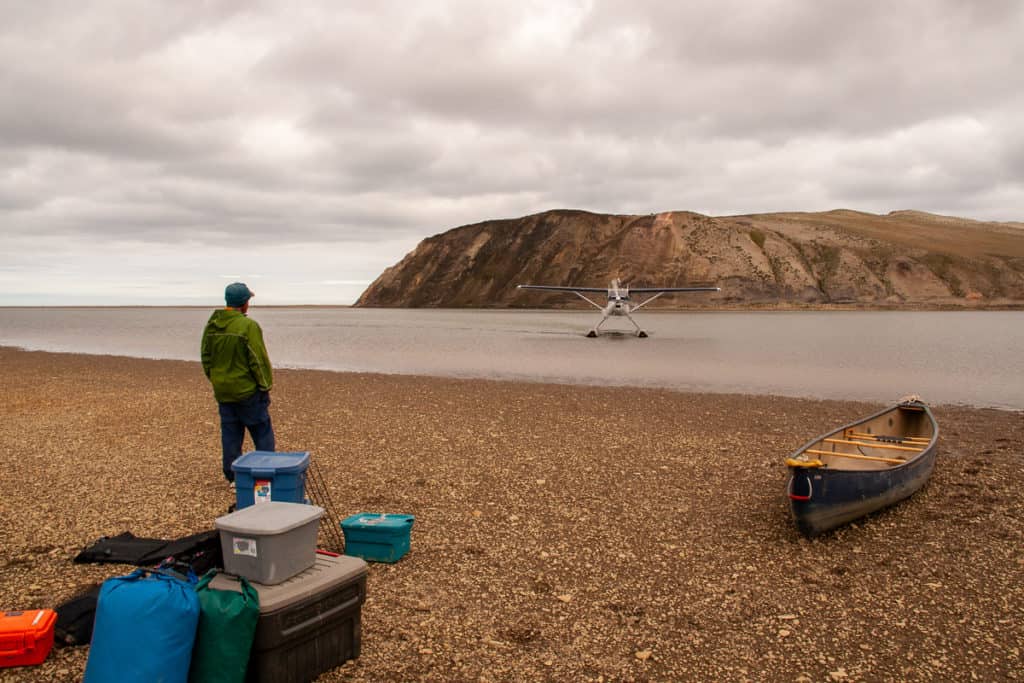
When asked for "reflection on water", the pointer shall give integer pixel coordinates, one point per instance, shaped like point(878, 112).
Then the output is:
point(969, 357)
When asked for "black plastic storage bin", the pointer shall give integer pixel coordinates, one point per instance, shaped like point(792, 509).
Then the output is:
point(310, 623)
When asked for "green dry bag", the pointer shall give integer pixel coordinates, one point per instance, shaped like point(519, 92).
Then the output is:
point(227, 626)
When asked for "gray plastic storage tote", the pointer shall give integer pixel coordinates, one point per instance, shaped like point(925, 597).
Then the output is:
point(271, 542)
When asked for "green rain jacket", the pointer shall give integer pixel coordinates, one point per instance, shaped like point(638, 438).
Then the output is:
point(234, 357)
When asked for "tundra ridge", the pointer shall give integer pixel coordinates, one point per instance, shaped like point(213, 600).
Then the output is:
point(794, 259)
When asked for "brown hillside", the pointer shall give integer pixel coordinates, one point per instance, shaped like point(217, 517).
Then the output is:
point(905, 257)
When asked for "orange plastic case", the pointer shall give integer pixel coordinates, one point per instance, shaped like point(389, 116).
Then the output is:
point(26, 637)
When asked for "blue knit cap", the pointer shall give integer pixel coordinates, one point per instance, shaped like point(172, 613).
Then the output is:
point(236, 294)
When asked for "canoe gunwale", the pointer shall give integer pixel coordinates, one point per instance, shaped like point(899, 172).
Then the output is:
point(916, 406)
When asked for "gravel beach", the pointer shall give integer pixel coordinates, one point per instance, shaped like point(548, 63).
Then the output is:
point(562, 533)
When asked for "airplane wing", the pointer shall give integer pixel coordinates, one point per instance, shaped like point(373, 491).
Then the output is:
point(602, 290)
point(652, 290)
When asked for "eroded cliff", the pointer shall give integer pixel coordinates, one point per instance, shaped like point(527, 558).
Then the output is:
point(836, 257)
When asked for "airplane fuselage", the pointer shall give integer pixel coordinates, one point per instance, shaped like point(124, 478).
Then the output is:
point(618, 307)
point(618, 300)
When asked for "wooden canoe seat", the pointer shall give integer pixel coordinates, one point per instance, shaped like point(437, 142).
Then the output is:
point(888, 437)
point(854, 456)
point(878, 444)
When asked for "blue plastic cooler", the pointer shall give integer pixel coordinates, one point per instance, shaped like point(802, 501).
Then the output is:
point(262, 476)
point(377, 537)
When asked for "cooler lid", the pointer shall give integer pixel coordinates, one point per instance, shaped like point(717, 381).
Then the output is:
point(326, 573)
point(283, 463)
point(273, 517)
point(375, 520)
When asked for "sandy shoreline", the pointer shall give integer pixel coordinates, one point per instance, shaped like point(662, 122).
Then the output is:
point(560, 530)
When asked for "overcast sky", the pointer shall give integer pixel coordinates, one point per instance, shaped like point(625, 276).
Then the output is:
point(152, 152)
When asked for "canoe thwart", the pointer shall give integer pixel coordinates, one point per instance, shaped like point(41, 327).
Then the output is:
point(892, 461)
point(875, 445)
point(888, 438)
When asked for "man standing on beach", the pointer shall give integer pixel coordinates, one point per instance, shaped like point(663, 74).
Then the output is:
point(236, 363)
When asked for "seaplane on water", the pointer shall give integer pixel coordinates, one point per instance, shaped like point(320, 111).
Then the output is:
point(618, 299)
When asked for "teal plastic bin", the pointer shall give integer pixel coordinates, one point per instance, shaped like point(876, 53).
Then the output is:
point(377, 537)
point(262, 476)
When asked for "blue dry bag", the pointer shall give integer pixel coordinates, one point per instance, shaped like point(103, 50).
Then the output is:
point(144, 631)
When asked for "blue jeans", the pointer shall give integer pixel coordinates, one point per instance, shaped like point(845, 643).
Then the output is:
point(252, 413)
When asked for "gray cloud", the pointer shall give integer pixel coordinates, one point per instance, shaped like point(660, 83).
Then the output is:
point(254, 131)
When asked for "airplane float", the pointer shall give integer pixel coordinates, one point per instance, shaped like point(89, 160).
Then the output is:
point(618, 300)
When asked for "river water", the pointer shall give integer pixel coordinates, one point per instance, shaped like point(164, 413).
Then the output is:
point(958, 357)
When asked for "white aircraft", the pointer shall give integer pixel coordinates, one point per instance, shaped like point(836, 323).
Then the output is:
point(618, 299)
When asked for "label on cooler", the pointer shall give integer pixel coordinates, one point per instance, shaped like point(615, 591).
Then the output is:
point(261, 491)
point(244, 546)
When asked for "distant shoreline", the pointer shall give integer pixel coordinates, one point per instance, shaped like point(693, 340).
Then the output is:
point(198, 307)
point(766, 306)
point(538, 382)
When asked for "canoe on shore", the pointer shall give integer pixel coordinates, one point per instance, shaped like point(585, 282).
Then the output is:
point(862, 467)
